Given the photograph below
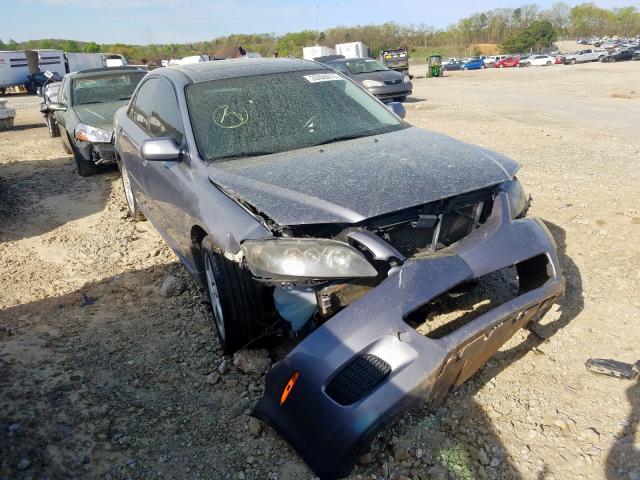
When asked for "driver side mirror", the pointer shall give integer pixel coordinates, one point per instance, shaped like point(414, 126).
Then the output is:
point(397, 108)
point(159, 149)
point(57, 107)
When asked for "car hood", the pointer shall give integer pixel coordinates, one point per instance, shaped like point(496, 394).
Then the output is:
point(350, 181)
point(99, 114)
point(384, 76)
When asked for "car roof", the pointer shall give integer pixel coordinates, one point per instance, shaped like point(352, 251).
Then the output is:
point(91, 72)
point(241, 67)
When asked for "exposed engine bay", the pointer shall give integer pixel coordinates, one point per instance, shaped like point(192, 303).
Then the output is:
point(387, 242)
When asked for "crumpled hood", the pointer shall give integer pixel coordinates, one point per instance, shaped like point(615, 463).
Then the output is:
point(99, 114)
point(347, 182)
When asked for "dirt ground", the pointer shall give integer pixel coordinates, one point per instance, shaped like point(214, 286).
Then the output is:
point(102, 377)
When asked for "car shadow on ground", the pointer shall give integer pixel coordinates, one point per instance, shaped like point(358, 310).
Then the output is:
point(26, 126)
point(40, 195)
point(89, 378)
point(623, 459)
point(414, 100)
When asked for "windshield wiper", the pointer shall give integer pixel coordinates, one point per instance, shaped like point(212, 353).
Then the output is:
point(244, 155)
point(347, 137)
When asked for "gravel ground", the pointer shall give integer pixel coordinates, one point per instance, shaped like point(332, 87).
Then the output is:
point(105, 375)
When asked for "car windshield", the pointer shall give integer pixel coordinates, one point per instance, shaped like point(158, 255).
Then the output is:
point(365, 65)
point(256, 115)
point(105, 88)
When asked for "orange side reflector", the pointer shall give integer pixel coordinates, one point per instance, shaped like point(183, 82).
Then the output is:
point(288, 387)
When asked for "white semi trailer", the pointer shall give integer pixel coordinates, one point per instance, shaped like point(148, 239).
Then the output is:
point(83, 61)
point(309, 53)
point(16, 66)
point(352, 50)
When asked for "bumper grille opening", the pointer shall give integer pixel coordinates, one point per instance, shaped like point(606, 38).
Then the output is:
point(357, 379)
point(466, 302)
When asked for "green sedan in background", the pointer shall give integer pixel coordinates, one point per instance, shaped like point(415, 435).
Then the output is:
point(87, 102)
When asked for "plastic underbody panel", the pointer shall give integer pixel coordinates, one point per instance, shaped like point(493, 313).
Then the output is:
point(407, 368)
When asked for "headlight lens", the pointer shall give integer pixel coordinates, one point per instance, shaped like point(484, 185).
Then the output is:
point(406, 79)
point(89, 133)
point(301, 258)
point(518, 199)
point(372, 83)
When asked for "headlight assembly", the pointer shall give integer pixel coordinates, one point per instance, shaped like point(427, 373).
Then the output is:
point(406, 79)
point(302, 258)
point(372, 83)
point(89, 133)
point(518, 199)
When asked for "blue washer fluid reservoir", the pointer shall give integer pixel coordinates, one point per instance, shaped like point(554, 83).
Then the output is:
point(295, 304)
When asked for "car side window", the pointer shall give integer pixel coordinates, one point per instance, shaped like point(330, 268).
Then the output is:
point(165, 118)
point(141, 108)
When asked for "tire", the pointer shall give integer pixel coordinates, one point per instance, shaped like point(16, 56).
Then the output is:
point(242, 309)
point(483, 67)
point(52, 125)
point(528, 64)
point(464, 69)
point(86, 168)
point(501, 66)
point(572, 61)
point(129, 195)
point(548, 64)
point(600, 58)
point(66, 149)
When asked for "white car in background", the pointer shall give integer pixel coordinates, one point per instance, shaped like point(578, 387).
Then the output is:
point(537, 61)
point(493, 59)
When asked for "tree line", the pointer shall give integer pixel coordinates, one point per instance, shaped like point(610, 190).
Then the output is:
point(518, 29)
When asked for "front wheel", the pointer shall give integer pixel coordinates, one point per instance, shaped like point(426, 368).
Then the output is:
point(242, 309)
point(572, 61)
point(548, 64)
point(528, 64)
point(464, 69)
point(483, 67)
point(501, 66)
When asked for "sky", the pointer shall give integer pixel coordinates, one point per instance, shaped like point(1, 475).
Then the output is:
point(184, 21)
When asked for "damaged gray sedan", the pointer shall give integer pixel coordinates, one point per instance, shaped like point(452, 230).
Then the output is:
point(298, 198)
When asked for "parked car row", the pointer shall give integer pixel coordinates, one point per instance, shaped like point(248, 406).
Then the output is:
point(539, 60)
point(612, 43)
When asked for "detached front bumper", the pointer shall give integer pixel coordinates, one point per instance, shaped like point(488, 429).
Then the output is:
point(329, 432)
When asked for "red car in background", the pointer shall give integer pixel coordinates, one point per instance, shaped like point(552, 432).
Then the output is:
point(507, 62)
point(559, 59)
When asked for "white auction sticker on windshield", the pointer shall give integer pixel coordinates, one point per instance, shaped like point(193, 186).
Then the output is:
point(322, 77)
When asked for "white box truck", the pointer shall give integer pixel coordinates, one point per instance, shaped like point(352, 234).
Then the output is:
point(16, 66)
point(352, 50)
point(309, 53)
point(84, 61)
